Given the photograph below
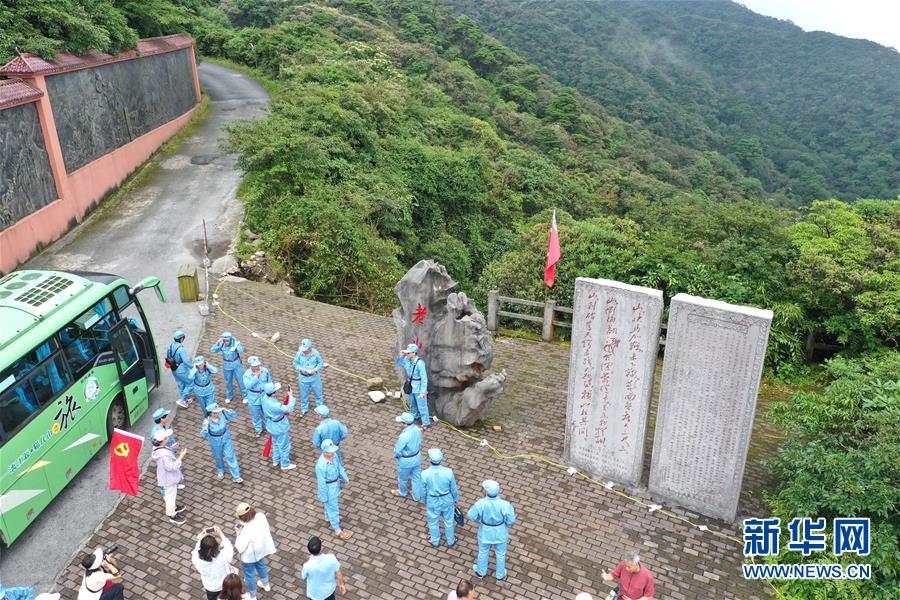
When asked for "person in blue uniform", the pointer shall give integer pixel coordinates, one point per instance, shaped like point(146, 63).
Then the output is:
point(309, 364)
point(408, 452)
point(417, 374)
point(232, 367)
point(278, 425)
point(329, 429)
point(494, 516)
point(255, 379)
point(201, 378)
point(329, 475)
point(441, 496)
point(178, 357)
point(215, 431)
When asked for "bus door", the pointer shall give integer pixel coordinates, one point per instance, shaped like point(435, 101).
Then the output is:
point(131, 368)
point(131, 312)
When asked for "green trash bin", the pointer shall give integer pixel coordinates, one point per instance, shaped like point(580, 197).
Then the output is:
point(188, 283)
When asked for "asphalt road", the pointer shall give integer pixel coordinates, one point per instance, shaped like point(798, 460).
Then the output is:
point(150, 231)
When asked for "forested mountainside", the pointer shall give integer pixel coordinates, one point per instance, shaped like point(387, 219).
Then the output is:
point(810, 115)
point(399, 130)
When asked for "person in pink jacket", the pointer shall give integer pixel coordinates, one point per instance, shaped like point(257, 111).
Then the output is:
point(168, 473)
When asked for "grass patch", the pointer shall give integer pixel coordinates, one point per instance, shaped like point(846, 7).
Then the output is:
point(272, 86)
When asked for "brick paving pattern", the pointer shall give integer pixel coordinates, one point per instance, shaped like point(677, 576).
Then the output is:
point(568, 530)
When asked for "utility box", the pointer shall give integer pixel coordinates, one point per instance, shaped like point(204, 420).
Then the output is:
point(188, 283)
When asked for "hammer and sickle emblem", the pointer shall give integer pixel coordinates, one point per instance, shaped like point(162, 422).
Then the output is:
point(122, 449)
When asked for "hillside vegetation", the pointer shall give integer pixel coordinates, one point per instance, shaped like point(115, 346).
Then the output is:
point(808, 115)
point(399, 130)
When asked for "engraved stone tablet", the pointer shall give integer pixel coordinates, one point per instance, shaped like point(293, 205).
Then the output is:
point(615, 342)
point(711, 371)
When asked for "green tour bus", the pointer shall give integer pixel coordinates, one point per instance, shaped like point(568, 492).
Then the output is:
point(77, 359)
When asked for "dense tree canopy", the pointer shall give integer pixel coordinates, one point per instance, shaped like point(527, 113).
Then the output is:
point(808, 115)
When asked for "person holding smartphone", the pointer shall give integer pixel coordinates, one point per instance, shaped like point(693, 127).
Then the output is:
point(212, 558)
point(102, 579)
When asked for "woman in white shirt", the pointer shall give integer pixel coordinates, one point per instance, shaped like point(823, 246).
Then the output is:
point(96, 575)
point(254, 543)
point(212, 558)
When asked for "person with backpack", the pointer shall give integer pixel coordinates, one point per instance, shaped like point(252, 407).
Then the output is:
point(232, 368)
point(179, 362)
point(416, 386)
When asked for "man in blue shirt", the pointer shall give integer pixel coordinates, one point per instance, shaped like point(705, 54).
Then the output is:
point(255, 379)
point(494, 516)
point(232, 370)
point(417, 375)
point(441, 495)
point(322, 573)
point(181, 366)
point(408, 451)
point(329, 475)
point(278, 425)
point(309, 364)
point(329, 429)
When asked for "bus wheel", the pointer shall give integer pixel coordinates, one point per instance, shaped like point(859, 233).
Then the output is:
point(116, 418)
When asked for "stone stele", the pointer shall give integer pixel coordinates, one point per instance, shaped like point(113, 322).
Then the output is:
point(615, 342)
point(711, 372)
point(453, 340)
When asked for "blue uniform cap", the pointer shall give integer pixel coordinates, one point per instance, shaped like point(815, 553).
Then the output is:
point(328, 446)
point(199, 360)
point(271, 388)
point(305, 344)
point(160, 413)
point(405, 418)
point(226, 335)
point(491, 487)
point(322, 410)
point(435, 455)
point(254, 361)
point(412, 348)
point(214, 407)
point(178, 335)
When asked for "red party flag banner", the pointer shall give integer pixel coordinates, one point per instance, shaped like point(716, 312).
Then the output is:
point(124, 450)
point(553, 254)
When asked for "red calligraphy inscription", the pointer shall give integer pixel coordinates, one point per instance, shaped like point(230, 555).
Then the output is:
point(419, 315)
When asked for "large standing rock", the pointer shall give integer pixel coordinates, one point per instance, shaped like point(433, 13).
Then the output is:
point(453, 340)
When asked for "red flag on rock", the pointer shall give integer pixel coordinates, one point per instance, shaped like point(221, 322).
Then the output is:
point(124, 450)
point(553, 254)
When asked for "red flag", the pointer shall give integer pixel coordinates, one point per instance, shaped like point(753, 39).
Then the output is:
point(124, 450)
point(553, 254)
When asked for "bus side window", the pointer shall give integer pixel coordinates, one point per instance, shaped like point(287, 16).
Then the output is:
point(23, 395)
point(88, 335)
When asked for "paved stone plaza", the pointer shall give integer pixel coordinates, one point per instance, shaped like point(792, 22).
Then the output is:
point(568, 530)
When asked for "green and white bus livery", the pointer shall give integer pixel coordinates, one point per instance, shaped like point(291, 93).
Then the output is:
point(77, 359)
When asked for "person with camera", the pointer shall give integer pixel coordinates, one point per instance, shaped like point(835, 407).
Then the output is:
point(212, 558)
point(254, 543)
point(102, 578)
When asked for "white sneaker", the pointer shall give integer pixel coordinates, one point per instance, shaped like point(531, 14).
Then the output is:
point(288, 468)
point(182, 403)
point(227, 400)
point(274, 463)
point(264, 586)
point(180, 486)
point(244, 401)
point(220, 475)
